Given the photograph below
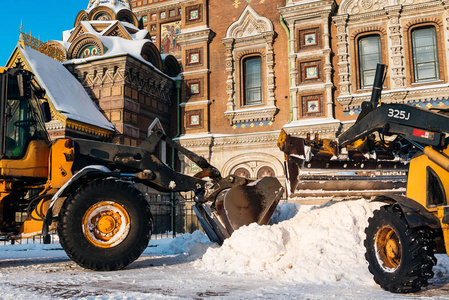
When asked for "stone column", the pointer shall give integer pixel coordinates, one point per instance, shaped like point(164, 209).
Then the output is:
point(327, 51)
point(343, 54)
point(395, 44)
point(230, 105)
point(269, 38)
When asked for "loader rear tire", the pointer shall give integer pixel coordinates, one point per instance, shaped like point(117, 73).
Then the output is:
point(105, 225)
point(399, 257)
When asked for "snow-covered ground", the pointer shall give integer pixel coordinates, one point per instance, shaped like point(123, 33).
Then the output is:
point(308, 253)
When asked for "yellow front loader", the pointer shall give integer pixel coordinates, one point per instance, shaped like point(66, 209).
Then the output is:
point(86, 189)
point(370, 159)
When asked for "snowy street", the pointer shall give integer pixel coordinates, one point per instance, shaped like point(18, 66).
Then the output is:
point(266, 262)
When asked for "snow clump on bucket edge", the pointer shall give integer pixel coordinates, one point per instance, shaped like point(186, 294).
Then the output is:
point(320, 244)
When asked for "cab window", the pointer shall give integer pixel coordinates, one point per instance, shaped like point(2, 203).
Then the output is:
point(22, 125)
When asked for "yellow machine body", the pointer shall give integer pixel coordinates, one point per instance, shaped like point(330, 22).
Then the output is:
point(428, 184)
point(51, 165)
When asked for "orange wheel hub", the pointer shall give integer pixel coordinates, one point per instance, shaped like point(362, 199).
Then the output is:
point(388, 248)
point(106, 224)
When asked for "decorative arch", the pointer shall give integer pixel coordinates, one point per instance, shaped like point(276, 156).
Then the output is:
point(60, 52)
point(151, 54)
point(125, 15)
point(253, 163)
point(118, 30)
point(372, 29)
point(423, 21)
point(82, 16)
point(250, 23)
point(79, 30)
point(100, 11)
point(171, 66)
point(82, 42)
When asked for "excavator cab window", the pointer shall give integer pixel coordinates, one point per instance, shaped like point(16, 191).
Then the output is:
point(21, 117)
point(436, 195)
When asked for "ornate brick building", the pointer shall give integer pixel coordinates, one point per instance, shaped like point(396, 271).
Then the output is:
point(253, 67)
point(250, 68)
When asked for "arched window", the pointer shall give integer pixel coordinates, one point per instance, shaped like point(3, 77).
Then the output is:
point(425, 54)
point(252, 80)
point(370, 54)
point(148, 56)
point(265, 172)
point(88, 51)
point(126, 19)
point(242, 172)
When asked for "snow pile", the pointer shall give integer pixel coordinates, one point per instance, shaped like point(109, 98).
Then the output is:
point(320, 244)
point(189, 243)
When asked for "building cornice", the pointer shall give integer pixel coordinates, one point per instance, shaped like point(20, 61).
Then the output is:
point(270, 137)
point(204, 35)
point(306, 11)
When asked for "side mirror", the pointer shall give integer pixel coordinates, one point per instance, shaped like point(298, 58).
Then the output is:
point(45, 107)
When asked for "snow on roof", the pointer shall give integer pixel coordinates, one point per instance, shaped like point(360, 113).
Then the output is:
point(119, 46)
point(88, 26)
point(64, 91)
point(115, 5)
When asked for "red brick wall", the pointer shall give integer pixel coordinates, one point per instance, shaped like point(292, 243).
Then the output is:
point(221, 15)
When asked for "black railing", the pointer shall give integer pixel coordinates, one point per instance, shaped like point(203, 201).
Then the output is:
point(172, 215)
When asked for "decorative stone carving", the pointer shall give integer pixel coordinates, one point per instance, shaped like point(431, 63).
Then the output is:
point(361, 6)
point(250, 23)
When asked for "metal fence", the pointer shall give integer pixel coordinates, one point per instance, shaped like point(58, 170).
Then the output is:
point(172, 215)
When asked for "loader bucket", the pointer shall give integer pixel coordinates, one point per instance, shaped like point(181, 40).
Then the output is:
point(238, 206)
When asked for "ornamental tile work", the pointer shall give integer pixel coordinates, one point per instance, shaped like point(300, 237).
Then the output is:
point(426, 103)
point(252, 124)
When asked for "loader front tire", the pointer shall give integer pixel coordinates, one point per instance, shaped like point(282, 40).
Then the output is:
point(105, 225)
point(399, 257)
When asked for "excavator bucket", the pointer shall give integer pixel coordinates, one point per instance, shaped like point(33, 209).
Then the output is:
point(238, 206)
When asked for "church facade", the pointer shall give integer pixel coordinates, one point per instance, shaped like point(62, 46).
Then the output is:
point(224, 77)
point(253, 67)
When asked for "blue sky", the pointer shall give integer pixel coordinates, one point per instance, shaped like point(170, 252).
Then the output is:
point(47, 19)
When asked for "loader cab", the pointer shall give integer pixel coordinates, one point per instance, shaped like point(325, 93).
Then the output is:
point(21, 116)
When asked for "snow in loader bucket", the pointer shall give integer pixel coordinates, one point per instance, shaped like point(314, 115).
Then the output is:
point(239, 206)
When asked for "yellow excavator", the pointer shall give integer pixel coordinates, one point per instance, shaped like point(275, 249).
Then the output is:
point(86, 190)
point(370, 159)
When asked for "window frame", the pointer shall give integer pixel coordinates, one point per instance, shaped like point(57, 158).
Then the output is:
point(245, 102)
point(436, 50)
point(360, 62)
